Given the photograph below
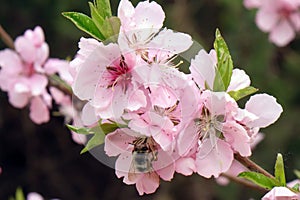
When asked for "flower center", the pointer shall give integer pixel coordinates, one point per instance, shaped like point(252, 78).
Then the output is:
point(209, 125)
point(119, 73)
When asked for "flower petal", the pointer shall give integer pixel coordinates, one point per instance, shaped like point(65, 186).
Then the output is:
point(213, 160)
point(117, 142)
point(282, 34)
point(39, 112)
point(237, 137)
point(203, 69)
point(265, 107)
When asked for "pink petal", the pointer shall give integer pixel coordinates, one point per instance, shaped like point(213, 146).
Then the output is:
point(239, 80)
point(218, 103)
point(282, 33)
point(295, 19)
point(10, 62)
point(252, 3)
point(37, 84)
point(88, 115)
point(42, 54)
point(149, 15)
point(203, 69)
point(34, 196)
point(185, 166)
point(164, 165)
point(18, 100)
point(90, 72)
point(39, 112)
point(163, 96)
point(26, 49)
point(125, 12)
point(136, 100)
point(187, 139)
point(61, 67)
point(280, 193)
point(266, 19)
point(59, 97)
point(213, 160)
point(237, 137)
point(118, 142)
point(265, 107)
point(169, 43)
point(123, 165)
point(39, 37)
point(148, 183)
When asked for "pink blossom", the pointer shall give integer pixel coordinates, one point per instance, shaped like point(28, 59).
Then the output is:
point(140, 24)
point(24, 74)
point(214, 155)
point(69, 111)
point(280, 193)
point(157, 163)
point(34, 196)
point(203, 68)
point(280, 18)
point(104, 77)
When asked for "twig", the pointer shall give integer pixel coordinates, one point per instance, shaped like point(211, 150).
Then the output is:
point(6, 38)
point(244, 182)
point(252, 165)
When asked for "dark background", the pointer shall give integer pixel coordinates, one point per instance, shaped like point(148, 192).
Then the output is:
point(44, 159)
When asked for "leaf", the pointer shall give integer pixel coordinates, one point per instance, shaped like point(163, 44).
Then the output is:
point(108, 127)
point(19, 194)
point(80, 130)
point(224, 66)
point(84, 23)
point(96, 16)
point(295, 188)
point(111, 28)
point(297, 173)
point(239, 94)
point(96, 140)
point(103, 7)
point(279, 170)
point(260, 179)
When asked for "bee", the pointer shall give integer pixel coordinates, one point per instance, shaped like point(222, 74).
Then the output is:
point(143, 154)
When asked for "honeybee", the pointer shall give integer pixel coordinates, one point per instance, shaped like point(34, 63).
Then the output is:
point(143, 154)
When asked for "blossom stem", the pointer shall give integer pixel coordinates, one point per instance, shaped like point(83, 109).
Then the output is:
point(252, 165)
point(6, 38)
point(244, 182)
point(56, 81)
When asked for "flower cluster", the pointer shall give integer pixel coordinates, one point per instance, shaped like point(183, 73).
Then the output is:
point(280, 18)
point(168, 121)
point(26, 74)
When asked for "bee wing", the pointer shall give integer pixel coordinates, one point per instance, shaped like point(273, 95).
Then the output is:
point(132, 174)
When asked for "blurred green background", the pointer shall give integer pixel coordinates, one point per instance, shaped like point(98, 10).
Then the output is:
point(44, 158)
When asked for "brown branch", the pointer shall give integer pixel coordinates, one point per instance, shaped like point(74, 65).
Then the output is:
point(252, 165)
point(244, 182)
point(6, 38)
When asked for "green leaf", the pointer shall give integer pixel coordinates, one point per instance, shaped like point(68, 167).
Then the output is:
point(19, 194)
point(96, 16)
point(96, 140)
point(84, 23)
point(224, 66)
point(295, 188)
point(80, 130)
point(239, 94)
point(111, 28)
point(108, 127)
point(279, 170)
point(297, 173)
point(103, 7)
point(260, 179)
